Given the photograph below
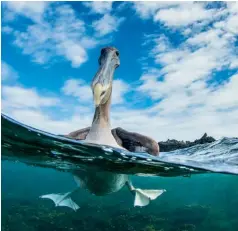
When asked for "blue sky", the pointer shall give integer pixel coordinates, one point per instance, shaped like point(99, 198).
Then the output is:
point(178, 76)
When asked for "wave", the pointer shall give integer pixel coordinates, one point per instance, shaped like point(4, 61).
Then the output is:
point(35, 147)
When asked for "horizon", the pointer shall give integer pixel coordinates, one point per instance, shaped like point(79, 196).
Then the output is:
point(178, 76)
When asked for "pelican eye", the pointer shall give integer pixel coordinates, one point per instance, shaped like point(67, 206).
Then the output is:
point(102, 51)
point(117, 53)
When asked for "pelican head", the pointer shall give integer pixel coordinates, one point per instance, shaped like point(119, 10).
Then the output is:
point(102, 81)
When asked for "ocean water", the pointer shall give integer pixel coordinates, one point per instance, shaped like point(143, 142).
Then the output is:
point(201, 185)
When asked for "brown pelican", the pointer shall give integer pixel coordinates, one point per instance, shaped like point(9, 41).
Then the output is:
point(100, 132)
point(102, 183)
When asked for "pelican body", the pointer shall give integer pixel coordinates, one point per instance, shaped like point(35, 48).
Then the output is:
point(100, 132)
point(100, 183)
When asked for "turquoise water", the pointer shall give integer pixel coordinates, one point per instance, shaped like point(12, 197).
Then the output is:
point(202, 202)
point(199, 196)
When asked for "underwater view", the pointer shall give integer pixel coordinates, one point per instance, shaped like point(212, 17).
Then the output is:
point(193, 196)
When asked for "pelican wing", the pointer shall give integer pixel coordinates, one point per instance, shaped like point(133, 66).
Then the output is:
point(131, 141)
point(135, 142)
point(79, 134)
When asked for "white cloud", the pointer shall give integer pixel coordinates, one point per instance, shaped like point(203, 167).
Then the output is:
point(234, 63)
point(7, 29)
point(41, 120)
point(8, 73)
point(60, 33)
point(119, 89)
point(36, 109)
point(79, 89)
point(107, 24)
point(183, 14)
point(32, 108)
point(99, 7)
point(32, 10)
point(195, 59)
point(147, 9)
point(161, 44)
point(178, 14)
point(20, 97)
point(190, 101)
point(175, 121)
point(230, 23)
point(225, 96)
point(188, 127)
point(73, 52)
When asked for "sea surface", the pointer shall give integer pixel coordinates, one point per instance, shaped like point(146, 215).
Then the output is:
point(201, 185)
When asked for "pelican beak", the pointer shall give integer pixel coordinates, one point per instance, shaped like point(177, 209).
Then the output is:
point(97, 91)
point(102, 81)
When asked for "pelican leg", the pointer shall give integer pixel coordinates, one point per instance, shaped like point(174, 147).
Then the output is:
point(60, 199)
point(142, 196)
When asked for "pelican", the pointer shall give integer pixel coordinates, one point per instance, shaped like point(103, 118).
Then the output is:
point(100, 132)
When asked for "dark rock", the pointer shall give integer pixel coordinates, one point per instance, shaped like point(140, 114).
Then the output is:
point(171, 145)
